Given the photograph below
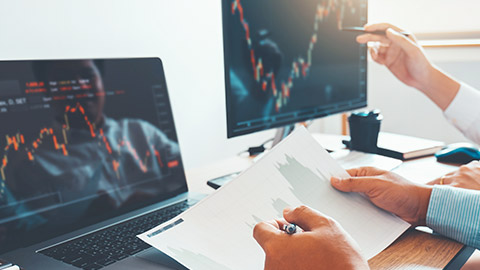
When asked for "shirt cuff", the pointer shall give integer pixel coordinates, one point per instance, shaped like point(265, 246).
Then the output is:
point(455, 213)
point(463, 111)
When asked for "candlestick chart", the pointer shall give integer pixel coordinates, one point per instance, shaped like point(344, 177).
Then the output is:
point(82, 141)
point(58, 140)
point(288, 61)
point(281, 88)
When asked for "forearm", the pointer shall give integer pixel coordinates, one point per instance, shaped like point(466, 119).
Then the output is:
point(455, 213)
point(440, 88)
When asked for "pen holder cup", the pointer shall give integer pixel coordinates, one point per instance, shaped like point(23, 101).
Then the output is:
point(364, 130)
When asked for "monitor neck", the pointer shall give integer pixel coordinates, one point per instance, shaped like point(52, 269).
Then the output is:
point(282, 133)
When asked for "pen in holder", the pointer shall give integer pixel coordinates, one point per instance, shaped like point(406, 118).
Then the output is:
point(364, 129)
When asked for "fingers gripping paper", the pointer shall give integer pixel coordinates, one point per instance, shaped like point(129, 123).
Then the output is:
point(217, 232)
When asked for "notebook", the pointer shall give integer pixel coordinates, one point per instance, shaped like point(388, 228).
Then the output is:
point(406, 147)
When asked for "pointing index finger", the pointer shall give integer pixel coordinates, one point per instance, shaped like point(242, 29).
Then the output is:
point(365, 38)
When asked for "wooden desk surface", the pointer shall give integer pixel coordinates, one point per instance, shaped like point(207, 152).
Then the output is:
point(413, 250)
point(418, 251)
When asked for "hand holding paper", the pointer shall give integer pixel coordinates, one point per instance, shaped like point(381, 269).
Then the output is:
point(217, 232)
point(390, 192)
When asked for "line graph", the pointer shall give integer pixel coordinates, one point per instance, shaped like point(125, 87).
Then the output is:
point(59, 139)
point(301, 65)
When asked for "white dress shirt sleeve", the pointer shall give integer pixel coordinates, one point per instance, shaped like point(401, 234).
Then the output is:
point(464, 112)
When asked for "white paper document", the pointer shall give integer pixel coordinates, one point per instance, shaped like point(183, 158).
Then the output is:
point(353, 159)
point(217, 232)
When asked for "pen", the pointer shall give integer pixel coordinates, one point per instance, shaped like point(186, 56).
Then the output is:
point(5, 264)
point(290, 228)
point(362, 30)
point(13, 267)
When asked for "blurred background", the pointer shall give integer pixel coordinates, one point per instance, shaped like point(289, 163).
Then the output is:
point(187, 35)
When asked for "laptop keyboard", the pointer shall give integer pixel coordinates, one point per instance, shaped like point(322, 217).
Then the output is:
point(112, 244)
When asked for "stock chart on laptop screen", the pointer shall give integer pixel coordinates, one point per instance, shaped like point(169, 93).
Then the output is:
point(81, 141)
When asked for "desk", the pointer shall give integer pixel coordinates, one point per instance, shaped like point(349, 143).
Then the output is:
point(413, 250)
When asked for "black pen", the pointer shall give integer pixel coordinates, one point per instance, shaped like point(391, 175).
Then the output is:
point(362, 30)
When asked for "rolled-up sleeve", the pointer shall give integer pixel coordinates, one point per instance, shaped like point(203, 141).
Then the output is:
point(464, 112)
point(455, 213)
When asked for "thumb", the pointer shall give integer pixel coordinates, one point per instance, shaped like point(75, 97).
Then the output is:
point(401, 40)
point(266, 231)
point(357, 184)
point(305, 217)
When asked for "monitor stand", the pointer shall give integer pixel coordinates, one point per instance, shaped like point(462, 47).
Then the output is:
point(280, 135)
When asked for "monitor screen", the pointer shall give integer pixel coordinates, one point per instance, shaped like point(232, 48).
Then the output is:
point(82, 141)
point(288, 61)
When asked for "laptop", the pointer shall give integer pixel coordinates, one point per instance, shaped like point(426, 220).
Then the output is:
point(89, 158)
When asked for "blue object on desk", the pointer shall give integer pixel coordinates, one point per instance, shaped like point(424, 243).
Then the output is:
point(458, 153)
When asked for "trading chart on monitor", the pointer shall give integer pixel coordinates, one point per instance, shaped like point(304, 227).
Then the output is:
point(288, 61)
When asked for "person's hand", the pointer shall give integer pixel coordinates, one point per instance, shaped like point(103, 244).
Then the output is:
point(323, 244)
point(406, 59)
point(401, 54)
point(389, 191)
point(468, 177)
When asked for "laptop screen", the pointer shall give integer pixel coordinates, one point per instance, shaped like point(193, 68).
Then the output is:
point(82, 141)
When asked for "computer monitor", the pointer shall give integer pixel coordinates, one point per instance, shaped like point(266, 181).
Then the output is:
point(288, 61)
point(82, 141)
